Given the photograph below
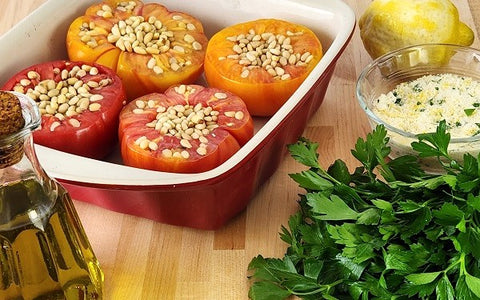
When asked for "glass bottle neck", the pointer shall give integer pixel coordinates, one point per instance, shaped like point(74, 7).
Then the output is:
point(18, 162)
point(27, 193)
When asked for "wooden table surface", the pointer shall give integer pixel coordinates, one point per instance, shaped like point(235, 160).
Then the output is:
point(143, 259)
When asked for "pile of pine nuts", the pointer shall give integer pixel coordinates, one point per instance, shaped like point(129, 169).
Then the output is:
point(267, 50)
point(186, 122)
point(66, 98)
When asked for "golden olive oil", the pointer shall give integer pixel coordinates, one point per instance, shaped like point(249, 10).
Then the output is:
point(45, 253)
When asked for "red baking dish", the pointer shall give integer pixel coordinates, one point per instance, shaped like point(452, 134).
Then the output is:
point(204, 200)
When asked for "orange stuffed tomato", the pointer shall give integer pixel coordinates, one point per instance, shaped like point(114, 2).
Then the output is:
point(79, 103)
point(150, 47)
point(262, 61)
point(188, 129)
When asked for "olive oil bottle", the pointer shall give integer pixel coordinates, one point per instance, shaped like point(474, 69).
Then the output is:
point(44, 251)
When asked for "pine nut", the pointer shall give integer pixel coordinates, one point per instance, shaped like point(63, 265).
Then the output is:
point(175, 67)
point(185, 154)
point(185, 143)
point(178, 49)
point(153, 146)
point(94, 107)
point(197, 46)
point(74, 122)
point(144, 144)
point(25, 82)
point(202, 151)
point(239, 115)
point(54, 125)
point(167, 153)
point(220, 95)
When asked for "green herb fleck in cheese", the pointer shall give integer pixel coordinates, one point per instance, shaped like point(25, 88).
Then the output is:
point(419, 105)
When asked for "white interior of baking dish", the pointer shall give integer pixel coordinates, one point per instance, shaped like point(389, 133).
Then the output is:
point(41, 37)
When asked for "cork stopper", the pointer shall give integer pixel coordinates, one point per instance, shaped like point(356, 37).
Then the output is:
point(11, 118)
point(11, 121)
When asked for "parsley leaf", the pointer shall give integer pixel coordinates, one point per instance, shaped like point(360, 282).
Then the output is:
point(333, 208)
point(305, 152)
point(422, 278)
point(433, 144)
point(469, 111)
point(444, 289)
point(372, 150)
point(312, 181)
point(473, 283)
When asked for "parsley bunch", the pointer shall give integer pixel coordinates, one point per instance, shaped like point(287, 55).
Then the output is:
point(386, 231)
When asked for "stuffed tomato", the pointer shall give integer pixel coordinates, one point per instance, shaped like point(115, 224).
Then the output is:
point(79, 103)
point(262, 61)
point(150, 47)
point(187, 129)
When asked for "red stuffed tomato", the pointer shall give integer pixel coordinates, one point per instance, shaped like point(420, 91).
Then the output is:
point(79, 103)
point(188, 129)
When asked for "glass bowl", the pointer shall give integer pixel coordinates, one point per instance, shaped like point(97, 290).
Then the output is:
point(407, 64)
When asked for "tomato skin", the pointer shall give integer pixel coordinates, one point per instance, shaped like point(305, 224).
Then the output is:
point(97, 134)
point(132, 67)
point(263, 94)
point(136, 157)
point(223, 141)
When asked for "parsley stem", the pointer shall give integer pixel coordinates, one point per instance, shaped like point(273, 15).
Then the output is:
point(463, 269)
point(322, 288)
point(460, 261)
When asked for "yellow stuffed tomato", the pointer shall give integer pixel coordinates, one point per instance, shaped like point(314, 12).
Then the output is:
point(148, 46)
point(262, 61)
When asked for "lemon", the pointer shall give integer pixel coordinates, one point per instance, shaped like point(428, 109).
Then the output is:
point(387, 25)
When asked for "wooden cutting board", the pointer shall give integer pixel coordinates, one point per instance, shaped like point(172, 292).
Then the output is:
point(142, 259)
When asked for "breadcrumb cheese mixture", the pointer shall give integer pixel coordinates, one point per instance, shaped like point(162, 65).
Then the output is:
point(418, 106)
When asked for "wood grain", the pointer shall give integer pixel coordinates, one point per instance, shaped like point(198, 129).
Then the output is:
point(142, 259)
